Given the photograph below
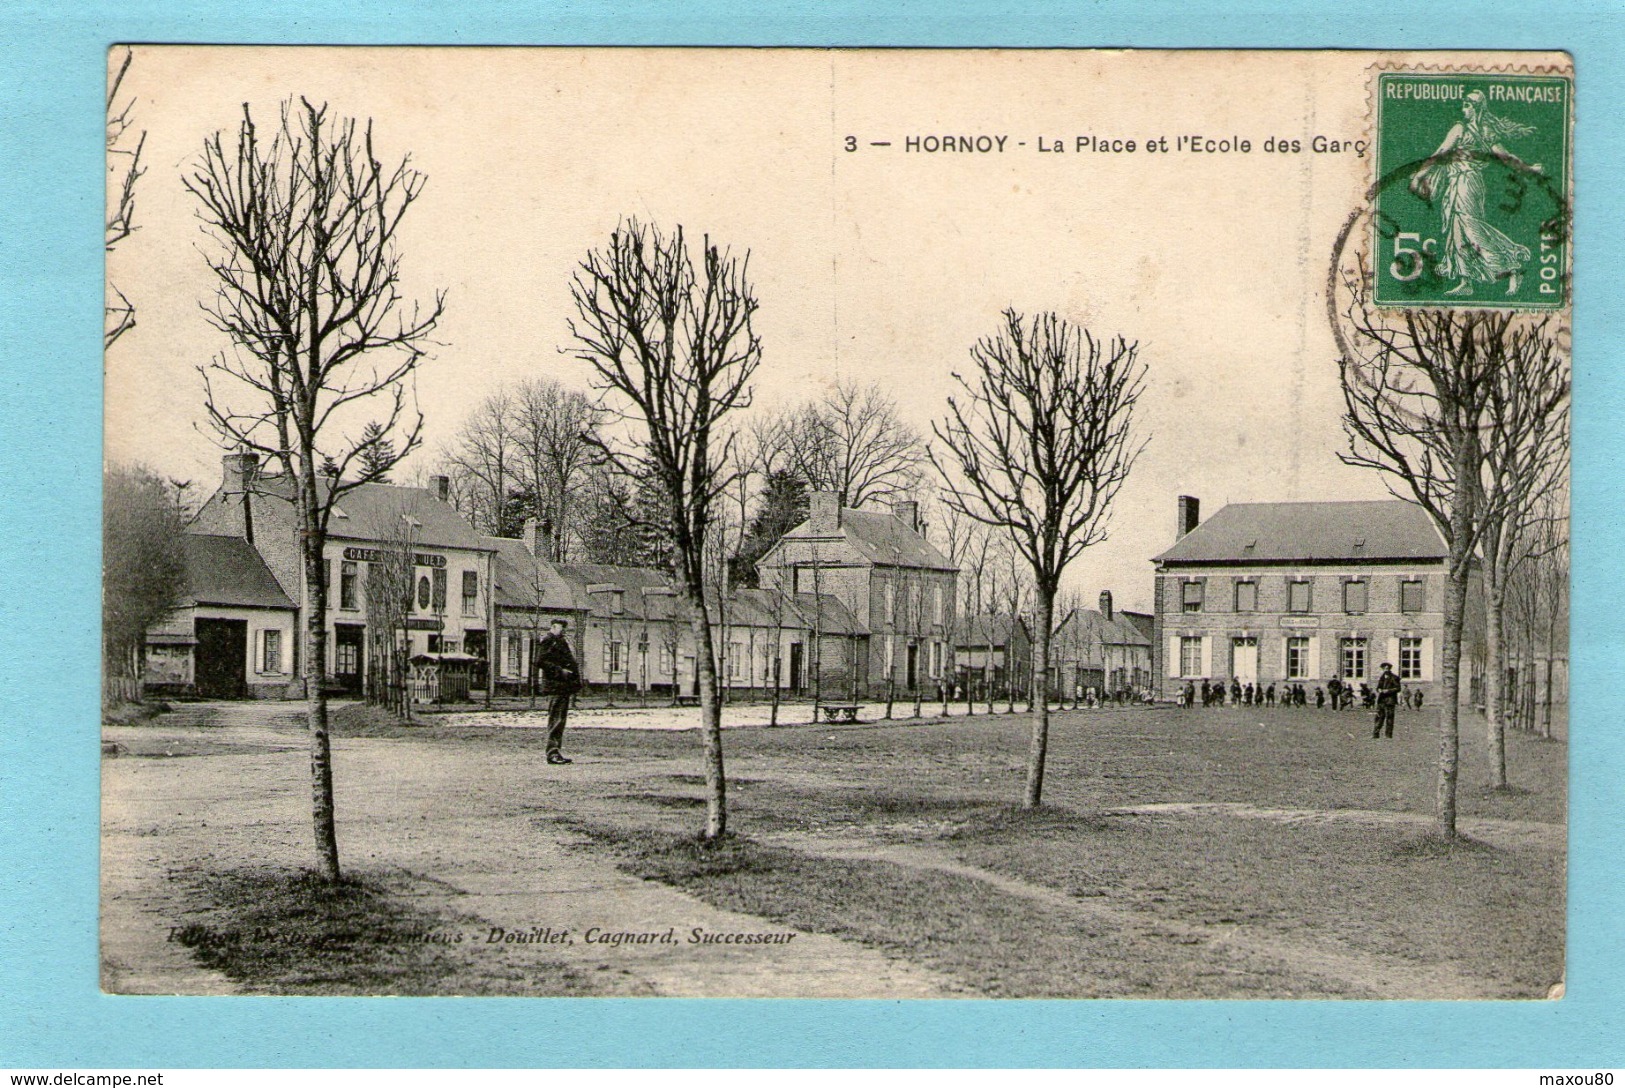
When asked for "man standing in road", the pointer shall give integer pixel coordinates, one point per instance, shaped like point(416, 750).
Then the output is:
point(563, 680)
point(1387, 701)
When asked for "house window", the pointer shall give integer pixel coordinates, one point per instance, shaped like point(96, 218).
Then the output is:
point(471, 593)
point(1193, 596)
point(1354, 596)
point(514, 657)
point(423, 593)
point(1190, 656)
point(1410, 657)
point(440, 589)
point(891, 603)
point(612, 657)
point(735, 659)
point(347, 579)
point(936, 604)
point(668, 657)
point(347, 659)
point(1298, 597)
point(1297, 657)
point(271, 651)
point(1412, 595)
point(1354, 659)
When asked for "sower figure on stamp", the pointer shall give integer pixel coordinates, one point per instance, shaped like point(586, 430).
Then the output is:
point(563, 679)
point(1387, 701)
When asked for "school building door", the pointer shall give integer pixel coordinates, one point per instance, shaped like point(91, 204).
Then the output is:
point(1244, 659)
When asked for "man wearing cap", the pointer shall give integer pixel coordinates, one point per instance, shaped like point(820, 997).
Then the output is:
point(563, 680)
point(1387, 701)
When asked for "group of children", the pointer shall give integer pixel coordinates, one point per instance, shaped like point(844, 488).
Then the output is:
point(1340, 694)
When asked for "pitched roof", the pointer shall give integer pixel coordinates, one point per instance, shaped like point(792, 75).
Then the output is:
point(1274, 532)
point(373, 512)
point(227, 570)
point(522, 582)
point(1093, 626)
point(645, 591)
point(988, 629)
point(881, 538)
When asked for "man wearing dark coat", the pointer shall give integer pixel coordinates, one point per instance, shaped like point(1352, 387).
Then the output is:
point(1387, 700)
point(563, 679)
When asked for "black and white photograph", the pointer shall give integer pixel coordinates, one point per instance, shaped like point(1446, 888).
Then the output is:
point(836, 523)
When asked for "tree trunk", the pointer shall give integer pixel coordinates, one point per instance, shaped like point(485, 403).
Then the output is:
point(716, 784)
point(1455, 606)
point(1495, 673)
point(321, 754)
point(1038, 704)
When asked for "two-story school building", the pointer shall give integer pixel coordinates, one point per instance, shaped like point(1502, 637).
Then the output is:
point(1300, 592)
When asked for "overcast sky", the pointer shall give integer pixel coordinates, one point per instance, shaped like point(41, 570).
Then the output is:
point(882, 264)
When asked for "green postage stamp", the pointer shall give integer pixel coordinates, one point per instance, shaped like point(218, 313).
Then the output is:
point(1472, 194)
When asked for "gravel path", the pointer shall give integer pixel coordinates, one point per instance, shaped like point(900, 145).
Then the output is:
point(469, 823)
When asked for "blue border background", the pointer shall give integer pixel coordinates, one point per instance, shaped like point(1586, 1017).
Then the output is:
point(51, 1012)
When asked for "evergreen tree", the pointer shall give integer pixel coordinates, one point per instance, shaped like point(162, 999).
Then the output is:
point(783, 506)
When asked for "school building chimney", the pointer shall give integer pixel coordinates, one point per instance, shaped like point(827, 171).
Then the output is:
point(824, 513)
point(908, 512)
point(1106, 603)
point(442, 487)
point(1190, 513)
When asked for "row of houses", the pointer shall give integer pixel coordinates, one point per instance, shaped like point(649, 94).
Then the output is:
point(854, 603)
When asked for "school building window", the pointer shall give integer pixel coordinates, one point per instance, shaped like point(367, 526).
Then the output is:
point(1410, 658)
point(347, 579)
point(1354, 596)
point(515, 653)
point(936, 604)
point(1297, 657)
point(1246, 596)
point(471, 593)
point(1190, 656)
point(1298, 597)
point(891, 602)
point(1193, 596)
point(270, 651)
point(1354, 658)
point(612, 657)
point(1412, 596)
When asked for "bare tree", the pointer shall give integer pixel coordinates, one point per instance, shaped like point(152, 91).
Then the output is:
point(1526, 446)
point(124, 169)
point(671, 344)
point(1419, 388)
point(483, 458)
point(1038, 449)
point(143, 571)
point(851, 442)
point(307, 274)
point(388, 595)
point(553, 429)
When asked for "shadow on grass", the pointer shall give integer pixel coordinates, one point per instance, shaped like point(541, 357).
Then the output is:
point(291, 931)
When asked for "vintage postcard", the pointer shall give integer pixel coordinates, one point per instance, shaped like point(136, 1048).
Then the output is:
point(836, 523)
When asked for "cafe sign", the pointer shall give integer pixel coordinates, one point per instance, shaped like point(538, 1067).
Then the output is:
point(375, 555)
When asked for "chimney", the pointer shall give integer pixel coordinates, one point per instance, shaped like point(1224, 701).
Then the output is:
point(1106, 603)
point(442, 487)
point(824, 513)
point(529, 535)
point(237, 471)
point(908, 512)
point(1190, 513)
